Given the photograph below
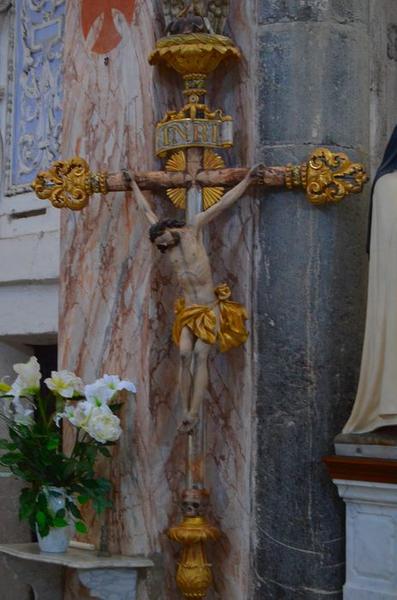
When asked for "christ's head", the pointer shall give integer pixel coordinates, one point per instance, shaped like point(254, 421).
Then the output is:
point(163, 234)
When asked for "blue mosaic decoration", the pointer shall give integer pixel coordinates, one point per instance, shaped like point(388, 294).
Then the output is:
point(37, 90)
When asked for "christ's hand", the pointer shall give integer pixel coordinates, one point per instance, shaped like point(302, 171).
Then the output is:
point(256, 172)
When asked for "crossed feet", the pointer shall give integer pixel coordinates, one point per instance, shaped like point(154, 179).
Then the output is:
point(189, 423)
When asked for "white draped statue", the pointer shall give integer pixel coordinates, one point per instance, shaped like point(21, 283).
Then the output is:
point(376, 401)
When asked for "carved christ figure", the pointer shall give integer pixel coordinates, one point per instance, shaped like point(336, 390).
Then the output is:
point(204, 315)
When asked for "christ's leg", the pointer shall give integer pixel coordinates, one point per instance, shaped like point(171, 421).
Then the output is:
point(185, 368)
point(200, 384)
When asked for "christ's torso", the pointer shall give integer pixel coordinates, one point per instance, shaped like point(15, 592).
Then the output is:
point(191, 265)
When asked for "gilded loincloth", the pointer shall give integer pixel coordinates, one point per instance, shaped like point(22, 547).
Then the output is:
point(202, 321)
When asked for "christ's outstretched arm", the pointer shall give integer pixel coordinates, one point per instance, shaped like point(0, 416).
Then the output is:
point(228, 199)
point(142, 202)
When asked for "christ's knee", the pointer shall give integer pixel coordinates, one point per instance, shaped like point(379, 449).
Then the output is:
point(186, 355)
point(186, 360)
point(201, 352)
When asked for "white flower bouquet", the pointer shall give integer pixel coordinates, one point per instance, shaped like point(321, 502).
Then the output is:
point(34, 451)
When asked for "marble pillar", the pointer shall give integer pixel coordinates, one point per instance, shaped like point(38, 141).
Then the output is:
point(117, 292)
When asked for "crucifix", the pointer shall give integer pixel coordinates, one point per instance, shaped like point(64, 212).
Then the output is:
point(196, 181)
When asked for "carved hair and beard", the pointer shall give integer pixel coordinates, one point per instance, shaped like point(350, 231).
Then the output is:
point(158, 229)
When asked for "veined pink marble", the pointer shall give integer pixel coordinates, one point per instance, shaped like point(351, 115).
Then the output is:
point(117, 296)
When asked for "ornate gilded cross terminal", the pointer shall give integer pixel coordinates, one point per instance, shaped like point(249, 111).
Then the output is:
point(195, 180)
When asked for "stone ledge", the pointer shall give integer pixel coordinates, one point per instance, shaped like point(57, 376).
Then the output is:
point(106, 578)
point(75, 558)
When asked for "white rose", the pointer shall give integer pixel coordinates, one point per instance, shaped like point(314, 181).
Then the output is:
point(65, 383)
point(22, 411)
point(103, 425)
point(102, 390)
point(98, 393)
point(28, 380)
point(114, 384)
point(77, 415)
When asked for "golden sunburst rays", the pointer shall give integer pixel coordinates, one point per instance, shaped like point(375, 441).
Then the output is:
point(177, 197)
point(177, 164)
point(212, 195)
point(212, 160)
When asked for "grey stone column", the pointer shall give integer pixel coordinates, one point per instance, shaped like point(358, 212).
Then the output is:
point(313, 91)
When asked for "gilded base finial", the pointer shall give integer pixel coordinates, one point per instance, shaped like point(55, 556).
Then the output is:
point(194, 574)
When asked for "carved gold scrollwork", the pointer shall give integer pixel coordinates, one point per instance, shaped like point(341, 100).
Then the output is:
point(327, 177)
point(69, 184)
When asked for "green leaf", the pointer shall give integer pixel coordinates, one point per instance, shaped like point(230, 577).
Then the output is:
point(61, 513)
point(11, 457)
point(44, 530)
point(27, 495)
point(7, 445)
point(90, 483)
point(83, 499)
point(75, 511)
point(42, 502)
point(41, 520)
point(19, 473)
point(25, 512)
point(100, 504)
point(59, 522)
point(104, 484)
point(81, 527)
point(103, 450)
point(53, 443)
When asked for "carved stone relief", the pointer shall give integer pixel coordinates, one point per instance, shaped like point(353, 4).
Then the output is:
point(34, 86)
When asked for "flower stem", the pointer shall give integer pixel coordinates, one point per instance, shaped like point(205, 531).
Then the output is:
point(42, 410)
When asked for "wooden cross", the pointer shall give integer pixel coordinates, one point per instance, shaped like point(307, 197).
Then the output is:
point(326, 178)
